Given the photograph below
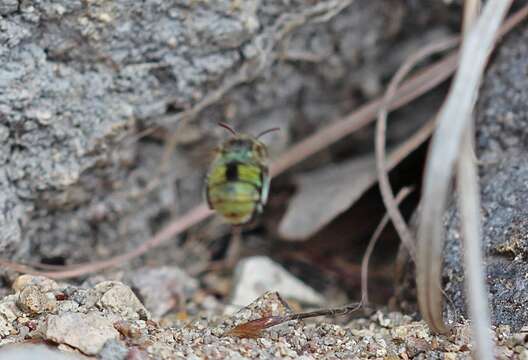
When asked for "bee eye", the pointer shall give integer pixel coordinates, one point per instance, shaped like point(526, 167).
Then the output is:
point(259, 150)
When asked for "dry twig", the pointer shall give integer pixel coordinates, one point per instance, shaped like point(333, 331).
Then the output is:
point(402, 194)
point(469, 199)
point(381, 127)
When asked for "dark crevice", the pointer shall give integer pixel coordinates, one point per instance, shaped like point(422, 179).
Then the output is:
point(53, 260)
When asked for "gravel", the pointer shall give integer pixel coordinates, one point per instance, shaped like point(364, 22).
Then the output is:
point(111, 334)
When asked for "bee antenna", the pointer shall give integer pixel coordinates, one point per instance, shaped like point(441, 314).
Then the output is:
point(268, 131)
point(227, 127)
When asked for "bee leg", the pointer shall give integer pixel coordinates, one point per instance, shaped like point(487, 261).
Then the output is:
point(235, 246)
point(206, 195)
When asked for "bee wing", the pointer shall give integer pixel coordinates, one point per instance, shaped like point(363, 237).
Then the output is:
point(206, 194)
point(211, 156)
point(264, 192)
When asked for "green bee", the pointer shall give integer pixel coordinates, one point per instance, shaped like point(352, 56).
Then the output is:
point(238, 181)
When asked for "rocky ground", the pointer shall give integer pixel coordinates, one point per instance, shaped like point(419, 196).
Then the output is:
point(92, 91)
point(106, 320)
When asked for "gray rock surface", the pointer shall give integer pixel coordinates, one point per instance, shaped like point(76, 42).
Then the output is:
point(258, 274)
point(120, 299)
point(502, 143)
point(86, 332)
point(33, 300)
point(163, 289)
point(42, 282)
point(79, 78)
point(114, 350)
point(9, 312)
point(31, 352)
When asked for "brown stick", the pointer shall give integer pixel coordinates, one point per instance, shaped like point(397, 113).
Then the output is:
point(411, 89)
point(193, 217)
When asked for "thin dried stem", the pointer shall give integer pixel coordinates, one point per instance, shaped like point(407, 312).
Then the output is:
point(470, 14)
point(469, 200)
point(395, 157)
point(477, 294)
point(444, 151)
point(402, 194)
point(381, 128)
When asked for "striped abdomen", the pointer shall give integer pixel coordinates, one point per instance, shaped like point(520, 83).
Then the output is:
point(237, 190)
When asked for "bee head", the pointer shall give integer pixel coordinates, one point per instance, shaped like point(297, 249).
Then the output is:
point(243, 146)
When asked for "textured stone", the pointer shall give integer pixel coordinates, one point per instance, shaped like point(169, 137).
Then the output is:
point(501, 123)
point(40, 352)
point(114, 350)
point(6, 327)
point(86, 332)
point(44, 283)
point(162, 289)
point(78, 78)
point(259, 274)
point(33, 300)
point(120, 299)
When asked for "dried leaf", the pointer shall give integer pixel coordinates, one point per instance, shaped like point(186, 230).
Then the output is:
point(325, 193)
point(253, 329)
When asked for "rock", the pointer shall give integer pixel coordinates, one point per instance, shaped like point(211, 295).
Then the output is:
point(523, 355)
point(269, 303)
point(6, 327)
point(86, 298)
point(502, 130)
point(258, 274)
point(120, 299)
point(33, 300)
point(9, 308)
point(86, 332)
point(9, 312)
point(25, 280)
point(163, 289)
point(69, 94)
point(114, 350)
point(40, 352)
point(67, 306)
point(8, 6)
